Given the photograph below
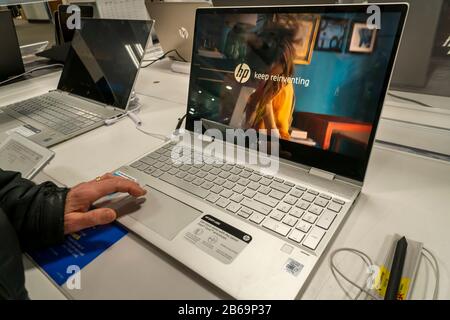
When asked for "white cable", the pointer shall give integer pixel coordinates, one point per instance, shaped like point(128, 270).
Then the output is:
point(30, 71)
point(436, 271)
point(154, 135)
point(334, 269)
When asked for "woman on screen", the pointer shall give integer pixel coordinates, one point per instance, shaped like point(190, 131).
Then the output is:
point(270, 106)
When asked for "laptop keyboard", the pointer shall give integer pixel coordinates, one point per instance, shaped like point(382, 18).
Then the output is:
point(56, 114)
point(300, 214)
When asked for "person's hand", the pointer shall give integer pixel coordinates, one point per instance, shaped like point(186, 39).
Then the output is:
point(80, 198)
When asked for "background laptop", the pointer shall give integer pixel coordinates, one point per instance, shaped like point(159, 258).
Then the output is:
point(96, 83)
point(11, 63)
point(174, 25)
point(253, 234)
point(412, 68)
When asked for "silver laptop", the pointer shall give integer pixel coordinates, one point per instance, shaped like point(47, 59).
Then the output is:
point(96, 84)
point(254, 230)
point(174, 25)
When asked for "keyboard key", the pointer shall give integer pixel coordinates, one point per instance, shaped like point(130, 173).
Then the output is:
point(157, 173)
point(265, 181)
point(181, 174)
point(278, 180)
point(201, 174)
point(315, 210)
point(236, 170)
point(233, 178)
point(238, 188)
point(189, 178)
point(296, 236)
point(228, 185)
point(254, 185)
point(264, 190)
point(222, 202)
point(339, 201)
point(296, 212)
point(245, 174)
point(166, 167)
point(186, 186)
point(289, 184)
point(219, 181)
point(276, 194)
point(290, 200)
point(249, 193)
point(224, 174)
point(290, 221)
point(256, 206)
point(326, 220)
point(308, 197)
point(277, 215)
point(303, 226)
point(334, 207)
point(207, 185)
point(243, 182)
point(217, 189)
point(255, 177)
point(257, 218)
point(136, 164)
point(143, 167)
point(210, 177)
point(309, 217)
point(193, 170)
point(314, 192)
point(237, 197)
point(214, 171)
point(276, 226)
point(296, 193)
point(244, 213)
point(212, 197)
point(280, 187)
point(198, 181)
point(266, 200)
point(325, 196)
point(313, 239)
point(302, 204)
point(284, 207)
point(233, 207)
point(226, 193)
point(321, 202)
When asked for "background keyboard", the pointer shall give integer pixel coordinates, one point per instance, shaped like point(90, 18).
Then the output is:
point(56, 114)
point(300, 214)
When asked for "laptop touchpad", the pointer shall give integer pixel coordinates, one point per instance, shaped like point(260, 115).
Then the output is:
point(163, 214)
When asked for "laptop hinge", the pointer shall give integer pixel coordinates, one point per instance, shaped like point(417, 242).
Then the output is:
point(321, 173)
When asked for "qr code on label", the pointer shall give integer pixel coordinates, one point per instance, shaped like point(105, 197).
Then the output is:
point(293, 267)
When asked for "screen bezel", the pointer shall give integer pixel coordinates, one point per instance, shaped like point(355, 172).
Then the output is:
point(335, 163)
point(70, 55)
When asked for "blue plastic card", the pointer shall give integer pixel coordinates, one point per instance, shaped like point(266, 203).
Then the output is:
point(78, 249)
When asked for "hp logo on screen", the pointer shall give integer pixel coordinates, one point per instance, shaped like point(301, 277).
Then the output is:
point(242, 73)
point(184, 34)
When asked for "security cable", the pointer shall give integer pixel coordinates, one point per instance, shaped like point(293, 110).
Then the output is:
point(30, 71)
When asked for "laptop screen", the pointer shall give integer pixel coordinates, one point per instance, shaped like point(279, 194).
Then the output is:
point(316, 74)
point(104, 60)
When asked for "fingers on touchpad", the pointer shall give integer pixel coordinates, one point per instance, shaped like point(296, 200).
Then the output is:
point(158, 211)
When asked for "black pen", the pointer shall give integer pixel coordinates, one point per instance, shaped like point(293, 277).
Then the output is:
point(396, 269)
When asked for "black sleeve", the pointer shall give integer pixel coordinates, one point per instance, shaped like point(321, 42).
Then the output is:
point(36, 212)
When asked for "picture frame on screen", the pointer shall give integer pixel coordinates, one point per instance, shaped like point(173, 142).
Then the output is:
point(332, 35)
point(362, 39)
point(308, 28)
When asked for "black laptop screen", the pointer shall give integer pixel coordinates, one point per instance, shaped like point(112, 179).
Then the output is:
point(104, 60)
point(318, 75)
